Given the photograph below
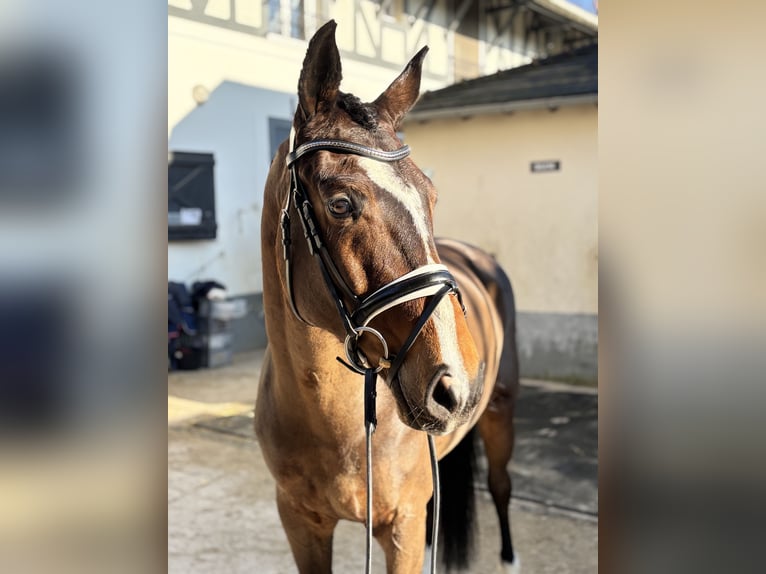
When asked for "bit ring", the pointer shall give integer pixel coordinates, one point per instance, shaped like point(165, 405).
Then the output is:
point(352, 353)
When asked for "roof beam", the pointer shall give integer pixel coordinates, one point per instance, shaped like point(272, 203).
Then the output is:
point(501, 7)
point(460, 14)
point(500, 30)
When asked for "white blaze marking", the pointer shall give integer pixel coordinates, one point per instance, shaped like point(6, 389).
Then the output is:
point(446, 331)
point(384, 176)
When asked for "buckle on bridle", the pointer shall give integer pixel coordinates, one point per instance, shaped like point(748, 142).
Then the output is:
point(286, 238)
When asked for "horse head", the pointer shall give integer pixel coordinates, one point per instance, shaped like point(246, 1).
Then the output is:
point(375, 219)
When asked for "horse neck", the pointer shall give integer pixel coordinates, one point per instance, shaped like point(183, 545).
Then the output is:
point(303, 357)
point(312, 385)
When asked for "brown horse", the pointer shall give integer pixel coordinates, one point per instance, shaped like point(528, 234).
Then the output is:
point(366, 210)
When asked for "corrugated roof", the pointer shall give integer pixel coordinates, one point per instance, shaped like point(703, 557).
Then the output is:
point(564, 75)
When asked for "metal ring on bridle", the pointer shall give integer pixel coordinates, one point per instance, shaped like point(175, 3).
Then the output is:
point(351, 353)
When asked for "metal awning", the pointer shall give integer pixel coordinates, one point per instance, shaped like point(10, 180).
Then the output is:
point(563, 13)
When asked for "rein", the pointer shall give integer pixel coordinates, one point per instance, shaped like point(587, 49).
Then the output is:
point(432, 280)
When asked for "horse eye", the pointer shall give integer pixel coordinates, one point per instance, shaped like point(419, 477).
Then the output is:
point(340, 207)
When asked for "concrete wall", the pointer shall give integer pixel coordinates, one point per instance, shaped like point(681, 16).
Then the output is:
point(542, 227)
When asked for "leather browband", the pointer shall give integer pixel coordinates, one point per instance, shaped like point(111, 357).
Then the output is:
point(340, 146)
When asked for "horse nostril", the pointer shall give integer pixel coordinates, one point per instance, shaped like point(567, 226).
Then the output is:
point(444, 394)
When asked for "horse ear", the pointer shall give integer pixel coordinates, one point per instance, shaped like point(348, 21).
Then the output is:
point(321, 73)
point(403, 92)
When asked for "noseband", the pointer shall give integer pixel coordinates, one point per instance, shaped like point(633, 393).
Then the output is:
point(432, 280)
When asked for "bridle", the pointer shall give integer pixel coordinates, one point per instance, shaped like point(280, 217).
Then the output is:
point(432, 280)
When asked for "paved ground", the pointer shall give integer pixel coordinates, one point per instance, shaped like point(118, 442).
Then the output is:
point(223, 519)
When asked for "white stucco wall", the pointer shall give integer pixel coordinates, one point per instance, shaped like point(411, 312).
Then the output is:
point(208, 55)
point(233, 125)
point(543, 227)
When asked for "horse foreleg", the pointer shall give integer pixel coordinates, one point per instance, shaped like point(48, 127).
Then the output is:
point(309, 534)
point(496, 429)
point(403, 541)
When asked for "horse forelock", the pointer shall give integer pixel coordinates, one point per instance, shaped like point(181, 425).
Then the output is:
point(364, 114)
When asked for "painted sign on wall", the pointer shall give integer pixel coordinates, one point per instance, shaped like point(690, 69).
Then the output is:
point(544, 165)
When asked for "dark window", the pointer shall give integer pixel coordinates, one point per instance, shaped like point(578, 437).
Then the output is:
point(191, 196)
point(279, 131)
point(40, 126)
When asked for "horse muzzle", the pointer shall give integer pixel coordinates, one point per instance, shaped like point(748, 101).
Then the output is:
point(445, 396)
point(447, 403)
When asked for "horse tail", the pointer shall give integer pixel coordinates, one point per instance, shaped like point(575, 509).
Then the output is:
point(458, 504)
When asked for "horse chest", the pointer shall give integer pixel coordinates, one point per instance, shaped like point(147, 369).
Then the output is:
point(330, 482)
